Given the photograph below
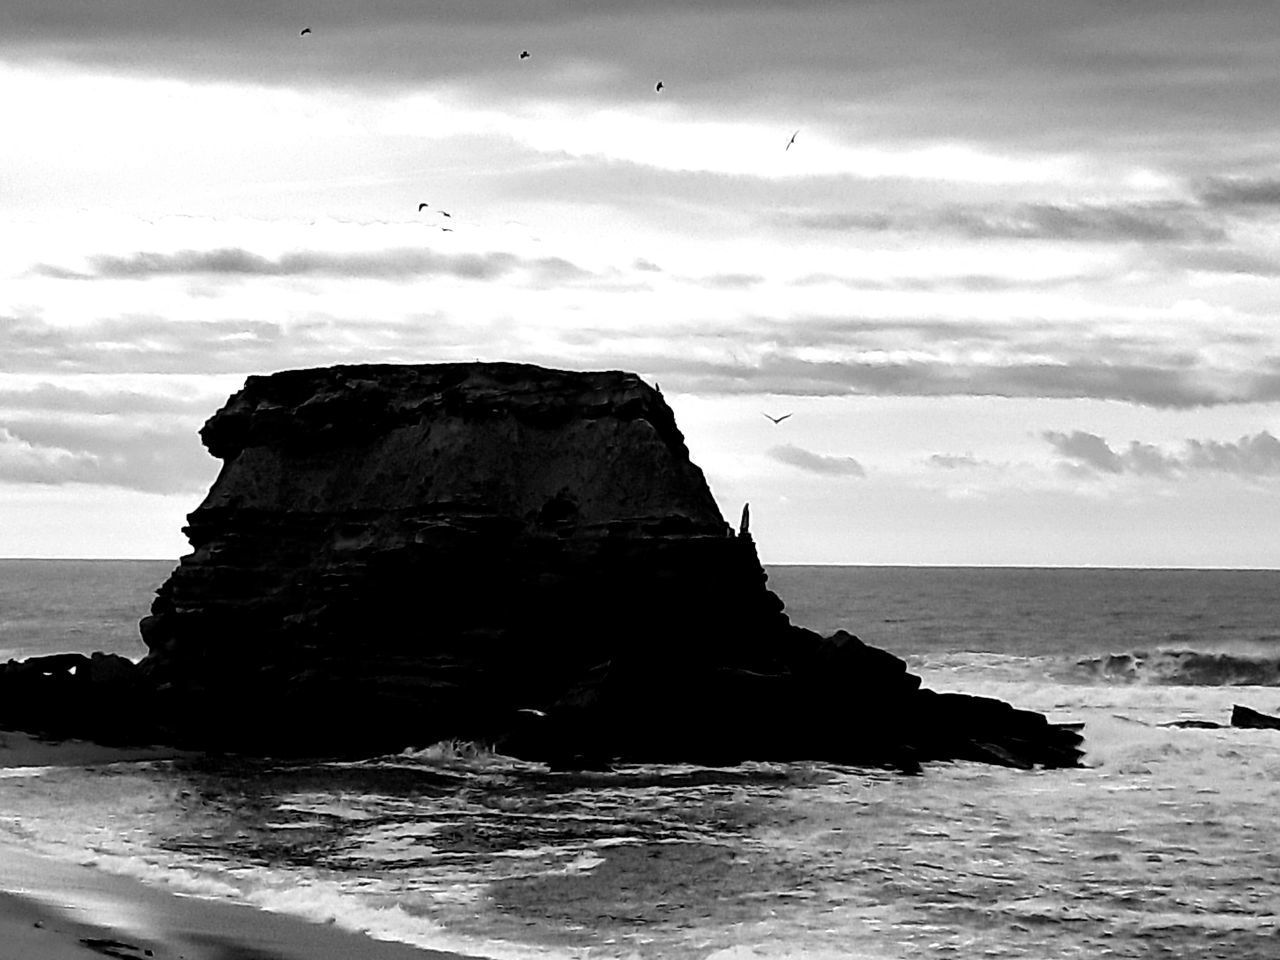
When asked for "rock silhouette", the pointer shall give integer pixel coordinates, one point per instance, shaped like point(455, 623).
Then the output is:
point(395, 555)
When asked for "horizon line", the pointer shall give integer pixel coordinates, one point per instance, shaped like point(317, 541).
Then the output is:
point(788, 563)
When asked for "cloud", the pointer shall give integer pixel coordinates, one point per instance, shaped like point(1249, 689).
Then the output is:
point(393, 264)
point(816, 462)
point(1036, 72)
point(1143, 223)
point(1176, 387)
point(1224, 261)
point(916, 357)
point(1086, 449)
point(845, 221)
point(1258, 455)
point(1169, 222)
point(968, 282)
point(1250, 456)
point(948, 461)
point(151, 344)
point(731, 281)
point(1240, 192)
point(106, 453)
point(49, 397)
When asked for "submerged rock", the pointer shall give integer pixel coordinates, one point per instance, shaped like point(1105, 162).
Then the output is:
point(395, 555)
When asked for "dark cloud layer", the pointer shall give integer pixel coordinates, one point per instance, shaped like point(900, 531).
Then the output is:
point(1243, 263)
point(393, 264)
point(984, 69)
point(1152, 386)
point(1088, 454)
point(1143, 223)
point(1140, 373)
point(1241, 191)
point(817, 462)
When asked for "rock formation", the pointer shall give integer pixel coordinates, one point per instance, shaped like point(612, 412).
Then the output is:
point(394, 555)
point(1252, 719)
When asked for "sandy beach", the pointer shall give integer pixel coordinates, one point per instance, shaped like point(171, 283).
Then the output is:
point(56, 910)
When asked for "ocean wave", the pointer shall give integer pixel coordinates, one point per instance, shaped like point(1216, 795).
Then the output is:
point(1182, 667)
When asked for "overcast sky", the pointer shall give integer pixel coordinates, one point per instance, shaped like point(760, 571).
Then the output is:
point(1016, 278)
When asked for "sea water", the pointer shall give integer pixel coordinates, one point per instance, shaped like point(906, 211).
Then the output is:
point(1163, 845)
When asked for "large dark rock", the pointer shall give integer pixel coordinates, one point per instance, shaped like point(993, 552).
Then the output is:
point(394, 555)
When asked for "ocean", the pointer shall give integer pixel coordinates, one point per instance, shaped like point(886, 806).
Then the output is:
point(1163, 845)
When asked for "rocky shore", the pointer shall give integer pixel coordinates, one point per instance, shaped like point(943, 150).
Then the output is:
point(396, 555)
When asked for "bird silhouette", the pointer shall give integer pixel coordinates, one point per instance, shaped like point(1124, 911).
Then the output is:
point(791, 141)
point(658, 87)
point(305, 31)
point(524, 54)
point(421, 207)
point(444, 214)
point(776, 420)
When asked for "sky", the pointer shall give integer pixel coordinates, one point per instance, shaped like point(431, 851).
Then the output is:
point(1010, 265)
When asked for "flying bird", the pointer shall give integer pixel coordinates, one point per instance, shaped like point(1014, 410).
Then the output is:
point(421, 207)
point(444, 214)
point(658, 87)
point(305, 31)
point(524, 54)
point(776, 419)
point(791, 141)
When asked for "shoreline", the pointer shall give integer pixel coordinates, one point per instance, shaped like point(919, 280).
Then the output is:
point(55, 910)
point(52, 909)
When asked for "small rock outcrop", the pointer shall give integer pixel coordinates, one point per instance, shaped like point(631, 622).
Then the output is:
point(394, 555)
point(103, 697)
point(1249, 718)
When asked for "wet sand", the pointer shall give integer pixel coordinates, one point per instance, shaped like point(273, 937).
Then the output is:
point(55, 910)
point(50, 910)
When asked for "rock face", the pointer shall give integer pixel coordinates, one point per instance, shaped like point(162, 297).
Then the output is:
point(394, 555)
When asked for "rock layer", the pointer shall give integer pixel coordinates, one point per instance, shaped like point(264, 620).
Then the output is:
point(394, 555)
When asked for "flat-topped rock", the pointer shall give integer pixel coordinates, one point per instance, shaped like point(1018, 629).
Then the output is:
point(395, 555)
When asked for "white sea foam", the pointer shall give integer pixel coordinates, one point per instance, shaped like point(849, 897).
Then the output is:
point(17, 773)
point(326, 903)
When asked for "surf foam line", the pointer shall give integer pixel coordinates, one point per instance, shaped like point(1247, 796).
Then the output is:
point(1182, 667)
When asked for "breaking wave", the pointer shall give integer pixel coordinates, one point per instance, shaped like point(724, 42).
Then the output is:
point(1182, 667)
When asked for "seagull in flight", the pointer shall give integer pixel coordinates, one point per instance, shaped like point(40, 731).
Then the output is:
point(776, 420)
point(445, 214)
point(524, 54)
point(421, 207)
point(305, 31)
point(791, 141)
point(658, 87)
